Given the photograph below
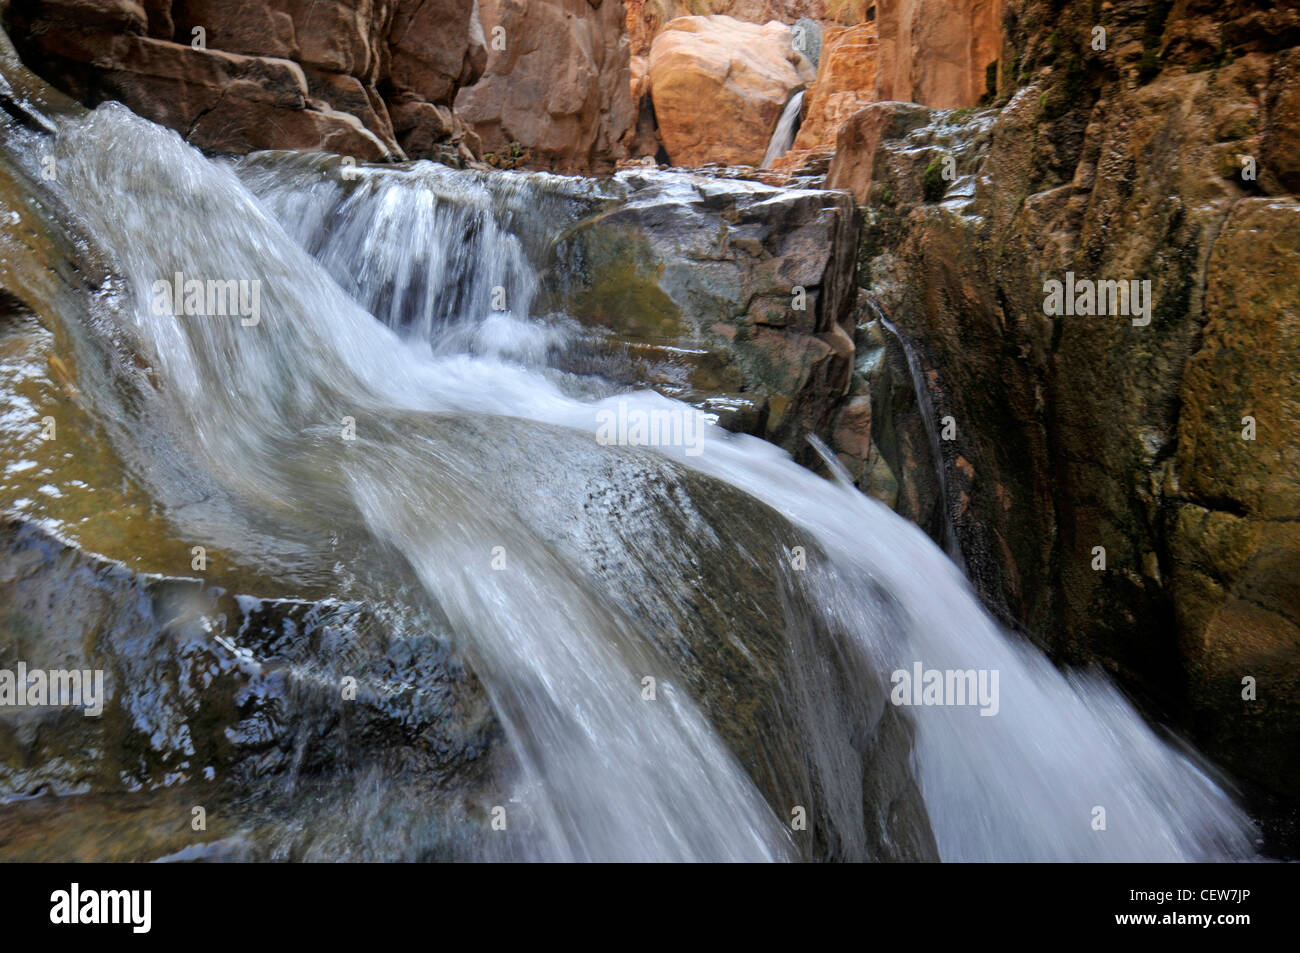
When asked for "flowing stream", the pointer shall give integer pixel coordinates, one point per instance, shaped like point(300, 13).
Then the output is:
point(566, 571)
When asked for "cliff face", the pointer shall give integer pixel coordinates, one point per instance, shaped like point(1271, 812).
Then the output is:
point(545, 82)
point(1126, 487)
point(232, 77)
point(556, 85)
point(938, 52)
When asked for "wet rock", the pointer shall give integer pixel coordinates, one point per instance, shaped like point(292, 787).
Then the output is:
point(718, 288)
point(205, 680)
point(1075, 434)
point(755, 664)
point(201, 684)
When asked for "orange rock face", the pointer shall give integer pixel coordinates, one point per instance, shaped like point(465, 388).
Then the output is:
point(719, 86)
point(846, 81)
point(557, 83)
point(288, 74)
point(646, 19)
point(937, 52)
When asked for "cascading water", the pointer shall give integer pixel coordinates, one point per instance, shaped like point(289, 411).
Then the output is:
point(786, 128)
point(616, 562)
point(928, 416)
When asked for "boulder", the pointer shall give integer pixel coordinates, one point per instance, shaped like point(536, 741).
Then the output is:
point(734, 295)
point(720, 85)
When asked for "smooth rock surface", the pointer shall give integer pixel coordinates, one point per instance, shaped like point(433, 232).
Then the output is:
point(720, 85)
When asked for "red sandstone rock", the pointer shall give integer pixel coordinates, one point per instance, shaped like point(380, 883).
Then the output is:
point(556, 83)
point(720, 85)
point(937, 52)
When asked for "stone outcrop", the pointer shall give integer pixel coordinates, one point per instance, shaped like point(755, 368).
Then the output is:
point(556, 86)
point(733, 295)
point(846, 82)
point(720, 85)
point(1126, 493)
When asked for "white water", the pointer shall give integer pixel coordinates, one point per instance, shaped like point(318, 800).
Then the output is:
point(783, 136)
point(601, 776)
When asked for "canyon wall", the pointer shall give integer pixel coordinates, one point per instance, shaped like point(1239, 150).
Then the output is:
point(646, 19)
point(543, 83)
point(1124, 487)
point(232, 77)
point(556, 84)
point(938, 52)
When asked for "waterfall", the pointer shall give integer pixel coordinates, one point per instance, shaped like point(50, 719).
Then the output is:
point(786, 127)
point(925, 404)
point(377, 305)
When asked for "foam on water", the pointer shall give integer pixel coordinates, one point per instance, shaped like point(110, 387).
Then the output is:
point(378, 301)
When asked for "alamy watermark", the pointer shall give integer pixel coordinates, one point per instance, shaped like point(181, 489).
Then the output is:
point(1086, 297)
point(214, 297)
point(946, 688)
point(628, 426)
point(58, 688)
point(75, 905)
